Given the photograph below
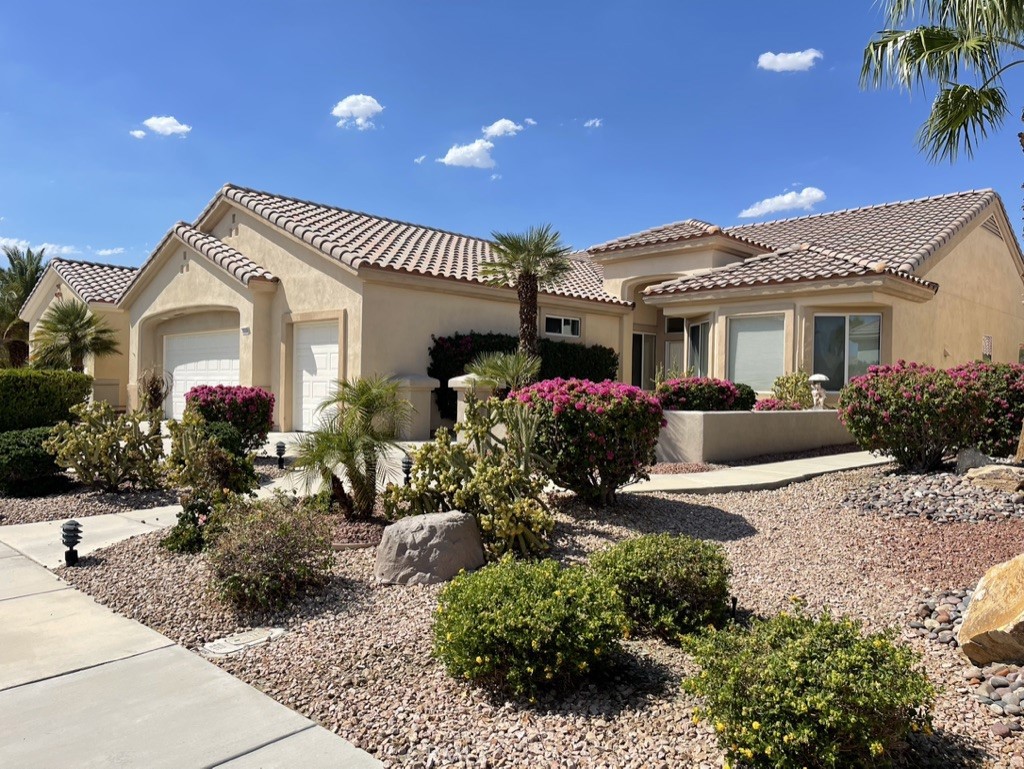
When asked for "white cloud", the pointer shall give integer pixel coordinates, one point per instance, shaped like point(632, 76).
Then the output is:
point(495, 177)
point(503, 127)
point(474, 155)
point(137, 133)
point(109, 251)
point(13, 243)
point(798, 61)
point(358, 109)
point(55, 249)
point(420, 159)
point(530, 121)
point(166, 126)
point(805, 199)
point(594, 122)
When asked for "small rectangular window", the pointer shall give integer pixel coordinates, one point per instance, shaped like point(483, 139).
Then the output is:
point(675, 325)
point(557, 326)
point(845, 346)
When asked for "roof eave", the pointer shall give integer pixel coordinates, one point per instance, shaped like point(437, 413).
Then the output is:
point(906, 288)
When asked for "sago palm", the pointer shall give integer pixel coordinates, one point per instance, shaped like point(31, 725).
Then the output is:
point(363, 419)
point(528, 262)
point(68, 333)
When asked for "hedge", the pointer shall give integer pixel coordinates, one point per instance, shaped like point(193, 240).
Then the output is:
point(449, 356)
point(26, 468)
point(31, 398)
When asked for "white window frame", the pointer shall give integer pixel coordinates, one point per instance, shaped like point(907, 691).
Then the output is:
point(564, 319)
point(846, 342)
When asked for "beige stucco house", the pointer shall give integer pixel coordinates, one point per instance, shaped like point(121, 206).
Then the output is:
point(291, 295)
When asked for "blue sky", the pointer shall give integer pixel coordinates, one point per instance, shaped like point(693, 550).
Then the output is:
point(688, 124)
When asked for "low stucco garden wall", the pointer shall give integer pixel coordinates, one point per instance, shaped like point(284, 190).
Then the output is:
point(719, 436)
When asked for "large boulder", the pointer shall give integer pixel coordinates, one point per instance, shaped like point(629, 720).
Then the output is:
point(993, 627)
point(1008, 478)
point(425, 549)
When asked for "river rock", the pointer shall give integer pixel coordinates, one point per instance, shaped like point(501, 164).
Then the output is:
point(993, 627)
point(426, 549)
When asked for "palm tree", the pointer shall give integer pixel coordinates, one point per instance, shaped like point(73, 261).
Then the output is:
point(25, 268)
point(363, 419)
point(69, 332)
point(962, 46)
point(527, 261)
point(506, 371)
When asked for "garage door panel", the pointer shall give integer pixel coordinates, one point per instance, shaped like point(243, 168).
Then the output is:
point(199, 359)
point(315, 366)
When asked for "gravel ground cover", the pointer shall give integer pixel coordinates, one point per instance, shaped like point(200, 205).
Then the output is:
point(942, 497)
point(79, 502)
point(679, 468)
point(357, 656)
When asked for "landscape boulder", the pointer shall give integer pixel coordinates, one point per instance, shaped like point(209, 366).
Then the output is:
point(969, 459)
point(1008, 478)
point(426, 549)
point(993, 627)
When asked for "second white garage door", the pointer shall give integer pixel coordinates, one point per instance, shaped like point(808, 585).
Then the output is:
point(316, 371)
point(199, 359)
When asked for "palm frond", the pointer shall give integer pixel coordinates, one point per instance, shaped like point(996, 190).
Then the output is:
point(960, 117)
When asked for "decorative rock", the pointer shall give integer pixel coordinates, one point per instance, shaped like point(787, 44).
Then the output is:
point(1001, 730)
point(993, 627)
point(426, 549)
point(999, 477)
point(968, 459)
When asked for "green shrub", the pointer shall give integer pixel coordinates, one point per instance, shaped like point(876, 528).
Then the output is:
point(270, 551)
point(527, 626)
point(450, 355)
point(26, 468)
point(799, 691)
point(32, 398)
point(107, 450)
point(228, 437)
point(594, 436)
point(794, 388)
point(1000, 389)
point(671, 584)
point(704, 394)
point(912, 412)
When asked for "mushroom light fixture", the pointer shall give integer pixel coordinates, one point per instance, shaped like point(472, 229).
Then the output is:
point(71, 535)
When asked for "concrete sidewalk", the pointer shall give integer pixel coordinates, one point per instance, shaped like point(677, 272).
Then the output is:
point(773, 475)
point(81, 686)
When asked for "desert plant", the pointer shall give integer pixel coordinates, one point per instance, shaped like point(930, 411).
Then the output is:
point(364, 418)
point(269, 551)
point(671, 585)
point(801, 691)
point(154, 386)
point(506, 370)
point(999, 388)
point(31, 398)
point(26, 467)
point(68, 333)
point(250, 410)
point(107, 450)
point(595, 437)
point(527, 626)
point(910, 411)
point(794, 388)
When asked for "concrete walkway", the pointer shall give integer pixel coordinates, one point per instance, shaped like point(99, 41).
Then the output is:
point(773, 475)
point(81, 686)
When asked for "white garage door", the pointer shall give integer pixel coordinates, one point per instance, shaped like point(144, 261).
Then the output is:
point(316, 370)
point(199, 359)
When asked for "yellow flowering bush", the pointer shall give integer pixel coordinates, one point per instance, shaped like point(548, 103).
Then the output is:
point(802, 691)
point(527, 626)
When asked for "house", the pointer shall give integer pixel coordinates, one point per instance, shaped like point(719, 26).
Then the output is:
point(291, 295)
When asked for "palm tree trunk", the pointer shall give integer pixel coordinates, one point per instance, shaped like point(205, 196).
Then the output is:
point(526, 287)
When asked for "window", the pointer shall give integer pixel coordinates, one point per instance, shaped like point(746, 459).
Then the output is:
point(643, 360)
point(700, 352)
point(675, 325)
point(757, 350)
point(845, 345)
point(561, 326)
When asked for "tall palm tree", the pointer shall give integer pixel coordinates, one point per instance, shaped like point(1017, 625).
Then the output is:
point(962, 46)
point(527, 261)
point(68, 333)
point(363, 419)
point(24, 269)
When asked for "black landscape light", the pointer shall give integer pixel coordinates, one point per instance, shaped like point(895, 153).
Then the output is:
point(71, 535)
point(407, 469)
point(280, 455)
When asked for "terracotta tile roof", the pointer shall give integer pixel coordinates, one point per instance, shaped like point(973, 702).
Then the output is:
point(797, 265)
point(667, 233)
point(92, 281)
point(236, 264)
point(363, 240)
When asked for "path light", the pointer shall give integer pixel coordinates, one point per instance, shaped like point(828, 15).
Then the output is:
point(71, 535)
point(407, 469)
point(280, 455)
point(817, 391)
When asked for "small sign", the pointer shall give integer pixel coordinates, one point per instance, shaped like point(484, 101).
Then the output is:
point(233, 644)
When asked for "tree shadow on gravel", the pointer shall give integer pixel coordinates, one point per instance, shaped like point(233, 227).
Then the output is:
point(941, 750)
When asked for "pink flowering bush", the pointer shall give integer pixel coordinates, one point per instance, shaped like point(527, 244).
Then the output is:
point(778, 404)
point(1000, 386)
point(248, 409)
point(914, 413)
point(704, 394)
point(596, 436)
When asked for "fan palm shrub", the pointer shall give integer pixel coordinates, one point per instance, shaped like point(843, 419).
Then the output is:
point(68, 333)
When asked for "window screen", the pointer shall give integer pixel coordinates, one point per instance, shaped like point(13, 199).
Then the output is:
point(757, 350)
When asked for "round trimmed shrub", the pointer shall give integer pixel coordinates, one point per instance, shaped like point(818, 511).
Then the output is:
point(250, 410)
point(803, 691)
point(26, 467)
point(595, 436)
point(39, 398)
point(704, 394)
point(776, 404)
point(1000, 387)
point(913, 412)
point(671, 584)
point(527, 626)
